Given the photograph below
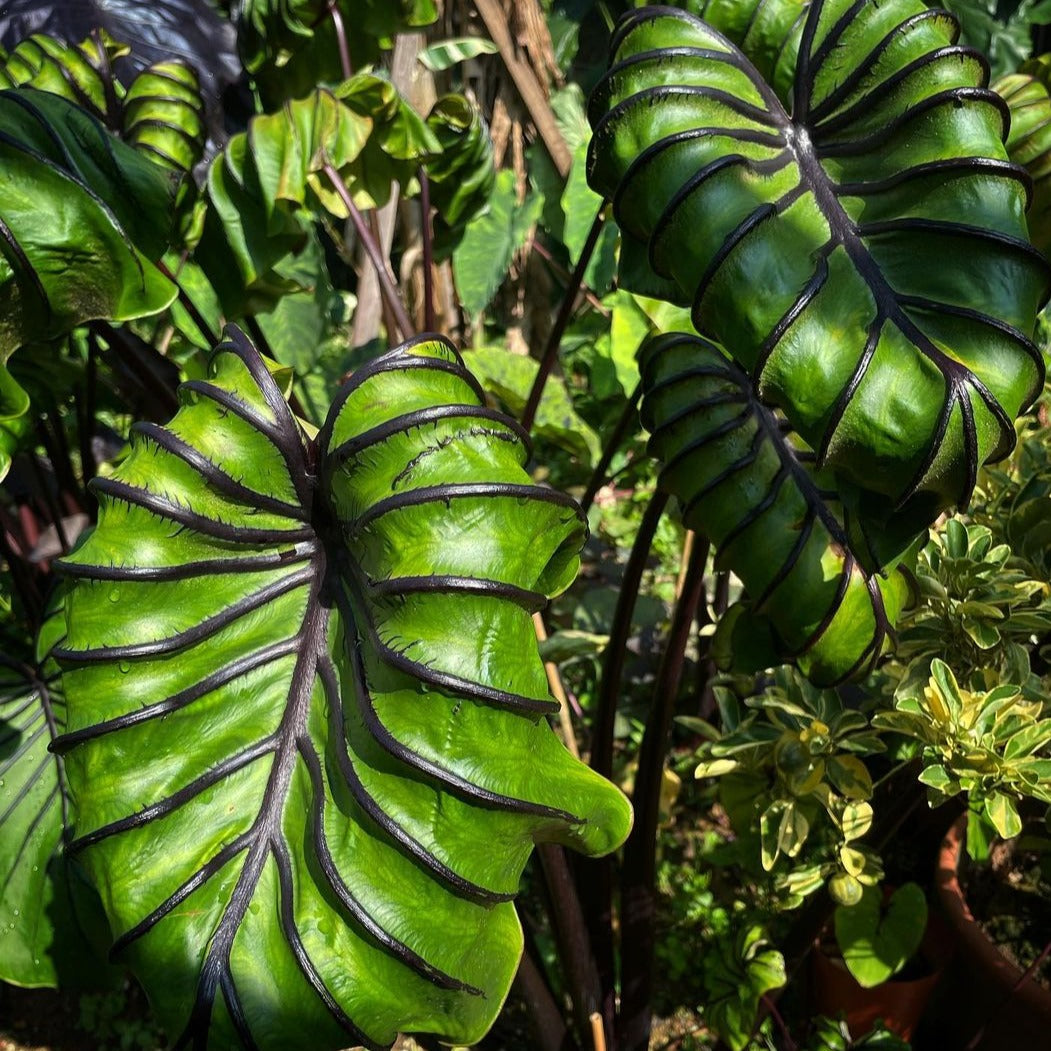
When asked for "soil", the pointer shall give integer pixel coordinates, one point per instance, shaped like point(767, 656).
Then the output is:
point(1011, 899)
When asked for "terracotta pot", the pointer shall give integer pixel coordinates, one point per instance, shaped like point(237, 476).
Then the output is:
point(985, 1003)
point(899, 1002)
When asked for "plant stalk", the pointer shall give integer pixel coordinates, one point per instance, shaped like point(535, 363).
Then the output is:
point(598, 476)
point(427, 237)
point(388, 288)
point(341, 39)
point(571, 931)
point(595, 876)
point(639, 874)
point(565, 312)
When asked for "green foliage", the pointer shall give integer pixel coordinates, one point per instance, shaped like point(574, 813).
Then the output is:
point(462, 178)
point(991, 745)
point(831, 1035)
point(485, 253)
point(291, 46)
point(795, 788)
point(356, 664)
point(1000, 31)
point(79, 73)
point(977, 601)
point(1029, 144)
point(780, 526)
point(822, 210)
point(876, 937)
point(163, 115)
point(738, 971)
point(264, 187)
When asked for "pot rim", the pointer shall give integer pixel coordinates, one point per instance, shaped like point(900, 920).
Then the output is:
point(969, 932)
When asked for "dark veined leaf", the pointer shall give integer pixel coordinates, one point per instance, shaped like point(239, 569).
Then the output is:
point(188, 30)
point(163, 115)
point(80, 72)
point(773, 520)
point(307, 732)
point(82, 217)
point(462, 176)
point(1029, 144)
point(767, 31)
point(36, 917)
point(815, 246)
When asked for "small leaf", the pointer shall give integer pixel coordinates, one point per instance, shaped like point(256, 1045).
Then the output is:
point(1003, 813)
point(856, 820)
point(850, 776)
point(447, 53)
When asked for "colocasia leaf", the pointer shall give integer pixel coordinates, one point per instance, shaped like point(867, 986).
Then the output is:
point(307, 716)
point(773, 519)
point(82, 218)
point(37, 926)
point(822, 242)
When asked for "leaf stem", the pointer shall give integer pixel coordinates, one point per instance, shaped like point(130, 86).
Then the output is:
point(571, 931)
point(638, 877)
point(595, 877)
point(388, 288)
point(341, 39)
point(544, 1012)
point(189, 306)
point(565, 312)
point(598, 476)
point(427, 234)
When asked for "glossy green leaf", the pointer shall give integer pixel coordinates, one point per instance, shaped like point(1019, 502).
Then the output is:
point(483, 258)
point(36, 924)
point(773, 520)
point(342, 628)
point(269, 179)
point(163, 115)
point(1029, 144)
point(82, 217)
point(510, 377)
point(462, 176)
point(448, 53)
point(878, 939)
point(80, 73)
point(813, 242)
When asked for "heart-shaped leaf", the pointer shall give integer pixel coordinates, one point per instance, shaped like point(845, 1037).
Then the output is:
point(307, 732)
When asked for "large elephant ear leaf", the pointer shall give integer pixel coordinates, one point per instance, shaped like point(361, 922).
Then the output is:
point(82, 218)
point(38, 929)
point(814, 245)
point(342, 629)
point(1029, 142)
point(81, 73)
point(776, 522)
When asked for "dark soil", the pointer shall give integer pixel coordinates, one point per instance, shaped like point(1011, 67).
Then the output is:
point(1010, 896)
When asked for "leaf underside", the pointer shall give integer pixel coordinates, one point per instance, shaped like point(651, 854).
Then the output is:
point(307, 731)
point(813, 244)
point(776, 521)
